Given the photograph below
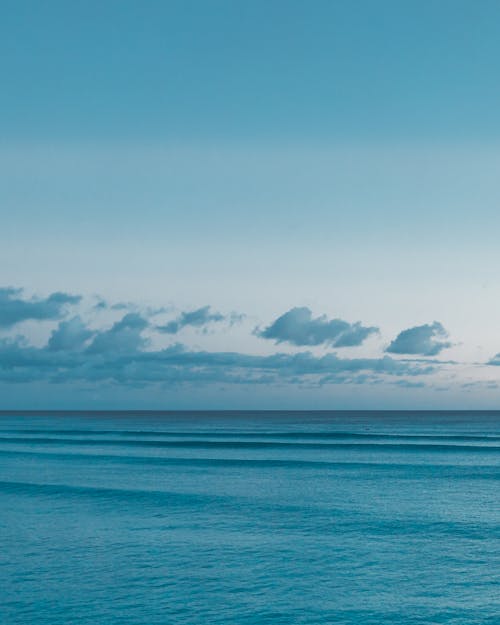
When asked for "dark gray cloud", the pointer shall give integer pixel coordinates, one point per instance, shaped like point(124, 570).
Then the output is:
point(197, 318)
point(14, 308)
point(423, 340)
point(298, 327)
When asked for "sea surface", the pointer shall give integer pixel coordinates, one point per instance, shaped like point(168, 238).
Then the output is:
point(250, 518)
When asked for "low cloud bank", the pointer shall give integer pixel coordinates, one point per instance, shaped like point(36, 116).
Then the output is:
point(121, 355)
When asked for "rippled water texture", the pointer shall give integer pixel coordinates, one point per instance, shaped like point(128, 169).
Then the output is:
point(250, 518)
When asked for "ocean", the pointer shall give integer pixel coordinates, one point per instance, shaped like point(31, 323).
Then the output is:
point(250, 518)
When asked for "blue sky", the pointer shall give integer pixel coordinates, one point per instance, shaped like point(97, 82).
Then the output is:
point(295, 167)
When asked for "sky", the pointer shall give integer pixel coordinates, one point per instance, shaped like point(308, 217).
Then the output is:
point(225, 204)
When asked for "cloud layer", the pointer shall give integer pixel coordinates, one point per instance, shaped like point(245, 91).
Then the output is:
point(130, 351)
point(118, 355)
point(124, 353)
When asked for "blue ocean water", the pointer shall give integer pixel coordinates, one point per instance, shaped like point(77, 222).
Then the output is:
point(250, 518)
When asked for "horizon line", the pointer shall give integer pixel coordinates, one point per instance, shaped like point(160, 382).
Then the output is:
point(138, 411)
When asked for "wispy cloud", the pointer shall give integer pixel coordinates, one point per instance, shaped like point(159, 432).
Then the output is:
point(199, 318)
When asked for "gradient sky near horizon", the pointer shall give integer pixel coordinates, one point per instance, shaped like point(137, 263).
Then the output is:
point(292, 166)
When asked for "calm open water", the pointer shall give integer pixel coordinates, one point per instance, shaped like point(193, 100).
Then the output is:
point(250, 518)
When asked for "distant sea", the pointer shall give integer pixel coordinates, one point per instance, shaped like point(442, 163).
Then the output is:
point(250, 518)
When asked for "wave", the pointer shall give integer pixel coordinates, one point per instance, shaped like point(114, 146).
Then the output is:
point(247, 444)
point(244, 435)
point(441, 470)
point(302, 518)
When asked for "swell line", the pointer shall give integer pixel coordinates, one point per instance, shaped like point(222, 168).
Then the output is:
point(239, 444)
point(440, 470)
point(245, 435)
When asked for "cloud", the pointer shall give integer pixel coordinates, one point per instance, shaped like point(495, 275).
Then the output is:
point(101, 304)
point(118, 355)
point(298, 327)
point(422, 340)
point(14, 309)
point(69, 335)
point(409, 384)
point(482, 384)
point(196, 318)
point(124, 336)
point(495, 361)
point(123, 355)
